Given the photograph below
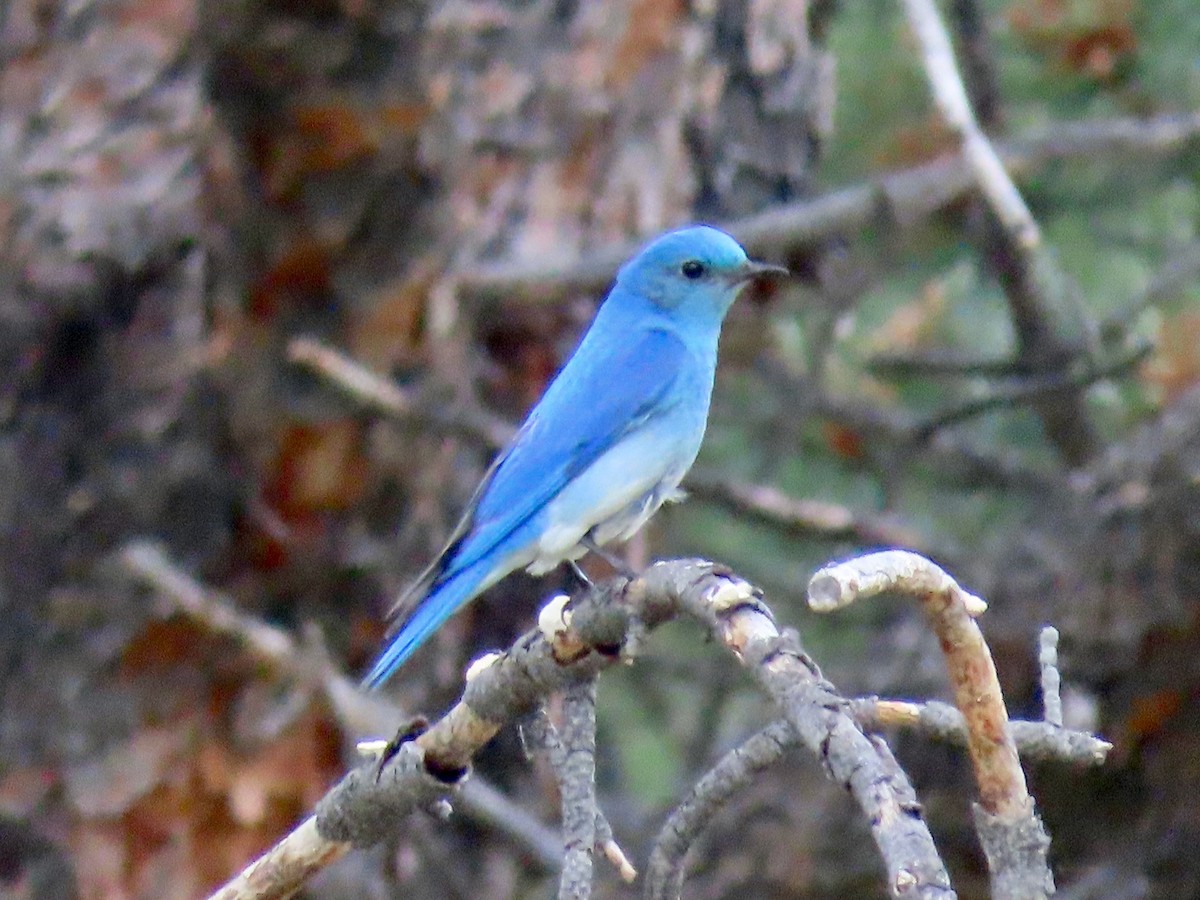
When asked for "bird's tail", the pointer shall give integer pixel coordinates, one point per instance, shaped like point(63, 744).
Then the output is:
point(428, 616)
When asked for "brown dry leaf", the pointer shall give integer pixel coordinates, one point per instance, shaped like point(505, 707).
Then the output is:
point(1090, 37)
point(333, 134)
point(256, 797)
point(301, 275)
point(390, 328)
point(914, 324)
point(844, 441)
point(912, 145)
point(652, 30)
point(319, 138)
point(1148, 715)
point(156, 820)
point(319, 468)
point(1176, 365)
point(1098, 53)
point(293, 769)
point(163, 644)
point(183, 803)
point(402, 119)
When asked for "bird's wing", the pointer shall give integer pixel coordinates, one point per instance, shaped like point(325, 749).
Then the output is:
point(585, 412)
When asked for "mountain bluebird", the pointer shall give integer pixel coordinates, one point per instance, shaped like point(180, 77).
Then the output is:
point(608, 442)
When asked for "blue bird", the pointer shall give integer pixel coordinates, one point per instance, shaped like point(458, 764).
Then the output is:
point(609, 441)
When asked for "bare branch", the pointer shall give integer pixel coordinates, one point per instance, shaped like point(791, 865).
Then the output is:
point(578, 790)
point(356, 380)
point(1051, 326)
point(954, 456)
point(806, 518)
point(1014, 839)
point(978, 60)
point(734, 771)
point(1051, 680)
point(381, 396)
point(941, 721)
point(1027, 390)
point(279, 873)
point(732, 612)
point(1179, 272)
point(950, 610)
point(540, 733)
point(905, 198)
point(943, 363)
point(370, 802)
point(951, 97)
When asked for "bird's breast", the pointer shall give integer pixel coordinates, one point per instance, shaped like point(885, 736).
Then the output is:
point(614, 496)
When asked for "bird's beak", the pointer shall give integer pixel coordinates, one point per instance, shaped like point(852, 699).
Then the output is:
point(751, 269)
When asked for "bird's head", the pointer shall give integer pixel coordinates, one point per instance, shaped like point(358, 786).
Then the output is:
point(692, 270)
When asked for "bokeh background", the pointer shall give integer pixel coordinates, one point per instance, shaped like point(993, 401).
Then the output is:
point(199, 199)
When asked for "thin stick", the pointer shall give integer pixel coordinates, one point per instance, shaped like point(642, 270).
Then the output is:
point(951, 97)
point(734, 771)
point(578, 790)
point(943, 722)
point(1051, 680)
point(1014, 839)
point(905, 197)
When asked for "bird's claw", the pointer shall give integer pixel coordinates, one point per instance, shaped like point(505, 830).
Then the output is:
point(409, 731)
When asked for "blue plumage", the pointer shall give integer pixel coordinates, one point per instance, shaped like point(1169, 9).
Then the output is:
point(608, 442)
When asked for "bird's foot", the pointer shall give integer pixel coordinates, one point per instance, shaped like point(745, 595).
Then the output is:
point(409, 731)
point(619, 565)
point(581, 575)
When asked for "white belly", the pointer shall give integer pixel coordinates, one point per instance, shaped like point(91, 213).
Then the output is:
point(614, 497)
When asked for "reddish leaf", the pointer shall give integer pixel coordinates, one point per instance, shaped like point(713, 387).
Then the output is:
point(300, 276)
point(318, 468)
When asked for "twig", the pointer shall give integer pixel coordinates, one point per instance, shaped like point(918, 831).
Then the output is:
point(355, 379)
point(979, 66)
point(734, 615)
point(951, 98)
point(954, 456)
point(578, 790)
point(905, 198)
point(486, 804)
point(943, 722)
point(381, 396)
point(944, 363)
point(1180, 271)
point(1051, 326)
point(940, 721)
point(765, 504)
point(573, 644)
point(1014, 839)
point(1128, 136)
point(1030, 389)
point(541, 733)
point(1051, 680)
point(360, 714)
point(734, 771)
point(802, 517)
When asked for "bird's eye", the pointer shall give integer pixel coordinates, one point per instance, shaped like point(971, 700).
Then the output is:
point(693, 269)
